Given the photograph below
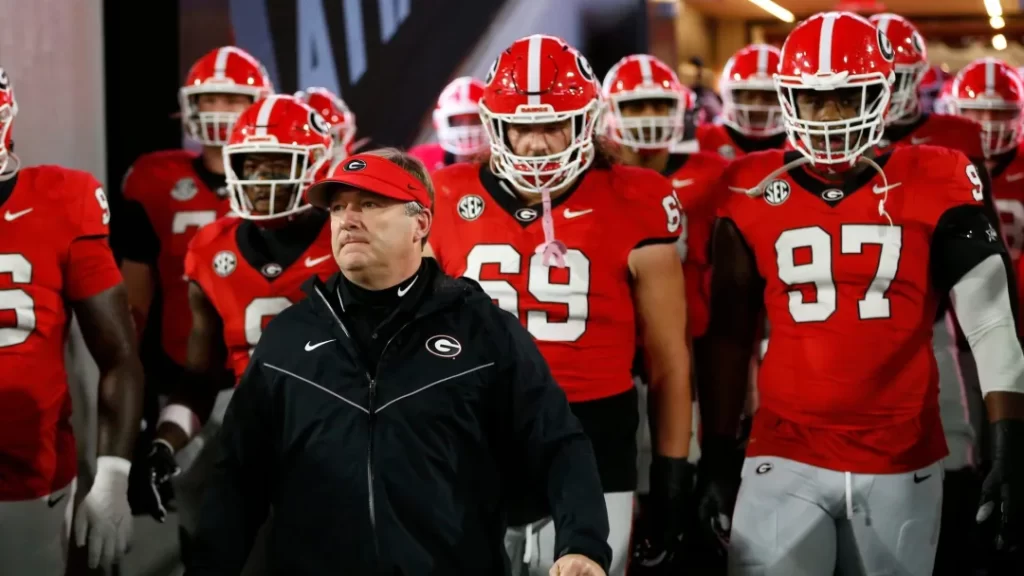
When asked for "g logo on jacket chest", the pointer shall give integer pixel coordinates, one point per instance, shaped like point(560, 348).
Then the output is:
point(443, 346)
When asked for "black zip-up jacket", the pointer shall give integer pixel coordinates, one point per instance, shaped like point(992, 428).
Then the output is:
point(406, 473)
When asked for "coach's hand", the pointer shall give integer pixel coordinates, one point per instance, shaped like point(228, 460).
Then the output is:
point(104, 519)
point(575, 565)
point(150, 488)
point(1002, 494)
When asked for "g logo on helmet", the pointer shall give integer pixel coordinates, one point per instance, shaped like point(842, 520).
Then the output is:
point(355, 165)
point(885, 47)
point(492, 71)
point(585, 68)
point(318, 124)
point(917, 42)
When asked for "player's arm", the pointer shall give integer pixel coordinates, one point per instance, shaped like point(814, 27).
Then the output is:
point(136, 246)
point(969, 261)
point(193, 396)
point(737, 295)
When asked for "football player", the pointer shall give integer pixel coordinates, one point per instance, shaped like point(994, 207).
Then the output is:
point(580, 250)
point(460, 135)
point(243, 269)
point(751, 116)
point(337, 113)
point(646, 106)
point(55, 259)
point(850, 254)
point(167, 196)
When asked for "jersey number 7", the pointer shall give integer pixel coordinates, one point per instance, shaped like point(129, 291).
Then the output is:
point(818, 270)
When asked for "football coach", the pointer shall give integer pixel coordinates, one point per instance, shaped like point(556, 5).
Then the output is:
point(388, 417)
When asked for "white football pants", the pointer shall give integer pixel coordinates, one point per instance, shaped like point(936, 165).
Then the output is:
point(34, 534)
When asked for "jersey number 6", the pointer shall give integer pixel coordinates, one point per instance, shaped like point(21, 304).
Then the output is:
point(17, 300)
point(574, 294)
point(818, 270)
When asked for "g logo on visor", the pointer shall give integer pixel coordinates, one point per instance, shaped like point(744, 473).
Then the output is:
point(355, 165)
point(885, 47)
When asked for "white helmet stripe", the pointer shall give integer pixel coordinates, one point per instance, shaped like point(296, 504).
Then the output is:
point(883, 23)
point(221, 63)
point(263, 117)
point(990, 75)
point(533, 69)
point(646, 75)
point(828, 23)
point(762, 60)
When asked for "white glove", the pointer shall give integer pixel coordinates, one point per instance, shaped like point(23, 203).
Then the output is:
point(105, 516)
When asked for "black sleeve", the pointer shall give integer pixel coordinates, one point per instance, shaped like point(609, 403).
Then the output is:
point(236, 498)
point(737, 296)
point(558, 455)
point(963, 237)
point(132, 236)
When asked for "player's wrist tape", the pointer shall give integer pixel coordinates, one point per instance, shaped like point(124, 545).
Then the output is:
point(671, 478)
point(182, 417)
point(112, 474)
point(1006, 436)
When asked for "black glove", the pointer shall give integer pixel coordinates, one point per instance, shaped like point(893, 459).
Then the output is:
point(666, 515)
point(1002, 493)
point(718, 481)
point(149, 486)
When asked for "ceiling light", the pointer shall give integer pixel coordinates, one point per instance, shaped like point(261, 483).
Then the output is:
point(997, 22)
point(778, 11)
point(993, 8)
point(999, 42)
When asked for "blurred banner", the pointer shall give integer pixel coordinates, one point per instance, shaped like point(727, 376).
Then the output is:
point(388, 59)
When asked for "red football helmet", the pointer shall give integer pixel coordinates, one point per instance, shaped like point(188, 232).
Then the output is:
point(333, 109)
point(225, 70)
point(828, 52)
point(8, 110)
point(461, 100)
point(751, 70)
point(644, 78)
point(991, 92)
point(910, 65)
point(283, 127)
point(540, 80)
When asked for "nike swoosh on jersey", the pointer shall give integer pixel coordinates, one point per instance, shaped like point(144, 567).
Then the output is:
point(919, 140)
point(1014, 177)
point(310, 346)
point(10, 216)
point(570, 214)
point(310, 262)
point(681, 183)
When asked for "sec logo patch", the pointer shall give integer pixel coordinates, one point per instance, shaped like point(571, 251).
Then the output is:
point(224, 263)
point(776, 192)
point(471, 207)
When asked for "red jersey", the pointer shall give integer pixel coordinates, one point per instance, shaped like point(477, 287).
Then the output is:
point(849, 381)
point(53, 250)
point(730, 144)
point(1008, 192)
point(245, 287)
point(178, 196)
point(954, 132)
point(581, 316)
point(432, 155)
point(695, 178)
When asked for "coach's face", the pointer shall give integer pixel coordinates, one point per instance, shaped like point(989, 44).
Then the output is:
point(373, 231)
